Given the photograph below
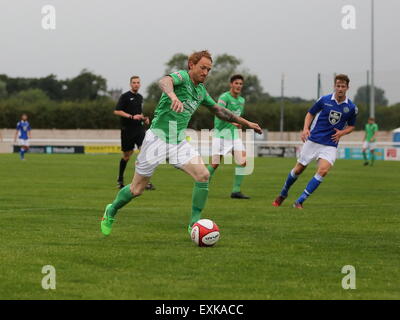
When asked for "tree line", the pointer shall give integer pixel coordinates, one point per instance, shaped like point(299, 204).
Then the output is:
point(85, 101)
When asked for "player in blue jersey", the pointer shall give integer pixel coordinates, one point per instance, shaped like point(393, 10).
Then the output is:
point(23, 133)
point(330, 118)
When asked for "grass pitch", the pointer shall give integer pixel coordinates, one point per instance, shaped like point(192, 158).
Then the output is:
point(51, 207)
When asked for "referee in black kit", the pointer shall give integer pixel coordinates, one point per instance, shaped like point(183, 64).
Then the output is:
point(129, 108)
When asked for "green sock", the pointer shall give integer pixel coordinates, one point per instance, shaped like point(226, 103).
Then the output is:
point(365, 156)
point(237, 182)
point(372, 158)
point(199, 199)
point(211, 170)
point(124, 196)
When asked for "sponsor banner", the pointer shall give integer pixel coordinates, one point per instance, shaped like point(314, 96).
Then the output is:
point(53, 149)
point(356, 153)
point(102, 149)
point(272, 151)
point(392, 154)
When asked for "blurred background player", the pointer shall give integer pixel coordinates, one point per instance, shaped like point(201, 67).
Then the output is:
point(130, 109)
point(183, 92)
point(23, 133)
point(371, 128)
point(331, 117)
point(227, 137)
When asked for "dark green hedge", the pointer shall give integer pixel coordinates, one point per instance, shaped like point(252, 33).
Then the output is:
point(98, 114)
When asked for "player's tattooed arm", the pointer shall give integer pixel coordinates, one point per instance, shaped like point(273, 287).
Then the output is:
point(226, 115)
point(167, 86)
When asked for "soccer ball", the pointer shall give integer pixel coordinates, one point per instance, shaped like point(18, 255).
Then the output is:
point(205, 233)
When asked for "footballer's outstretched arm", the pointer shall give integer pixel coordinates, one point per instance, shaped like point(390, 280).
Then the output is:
point(167, 86)
point(226, 115)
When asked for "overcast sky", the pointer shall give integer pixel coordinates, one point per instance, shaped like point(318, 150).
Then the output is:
point(119, 38)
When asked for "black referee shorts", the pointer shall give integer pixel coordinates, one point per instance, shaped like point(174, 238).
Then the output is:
point(130, 138)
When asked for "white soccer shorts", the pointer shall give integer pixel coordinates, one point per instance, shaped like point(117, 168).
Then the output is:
point(23, 142)
point(314, 151)
point(155, 151)
point(224, 146)
point(369, 145)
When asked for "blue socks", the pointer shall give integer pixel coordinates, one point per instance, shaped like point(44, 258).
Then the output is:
point(288, 183)
point(22, 153)
point(311, 187)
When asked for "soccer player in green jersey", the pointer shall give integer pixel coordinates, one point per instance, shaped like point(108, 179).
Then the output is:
point(183, 92)
point(226, 136)
point(371, 128)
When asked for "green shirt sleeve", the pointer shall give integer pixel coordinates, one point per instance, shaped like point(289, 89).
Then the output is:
point(208, 101)
point(223, 101)
point(178, 77)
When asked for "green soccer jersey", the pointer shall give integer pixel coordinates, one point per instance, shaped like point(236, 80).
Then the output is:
point(170, 125)
point(370, 129)
point(224, 129)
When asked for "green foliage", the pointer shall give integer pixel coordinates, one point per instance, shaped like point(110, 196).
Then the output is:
point(153, 91)
point(81, 102)
point(85, 86)
point(177, 62)
point(267, 115)
point(3, 90)
point(50, 85)
point(362, 96)
point(48, 114)
point(224, 67)
point(98, 114)
point(388, 118)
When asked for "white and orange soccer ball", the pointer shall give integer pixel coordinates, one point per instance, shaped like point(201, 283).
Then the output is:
point(205, 233)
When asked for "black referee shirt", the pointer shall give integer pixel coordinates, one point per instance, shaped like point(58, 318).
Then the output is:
point(131, 103)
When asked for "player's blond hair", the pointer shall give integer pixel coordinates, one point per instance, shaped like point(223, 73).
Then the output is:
point(195, 57)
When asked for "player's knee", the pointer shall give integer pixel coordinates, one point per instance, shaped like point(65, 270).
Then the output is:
point(323, 172)
point(298, 170)
point(215, 165)
point(204, 176)
point(242, 164)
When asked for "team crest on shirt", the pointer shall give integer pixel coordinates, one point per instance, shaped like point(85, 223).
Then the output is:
point(346, 109)
point(334, 117)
